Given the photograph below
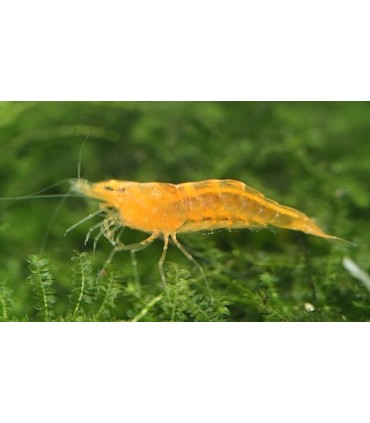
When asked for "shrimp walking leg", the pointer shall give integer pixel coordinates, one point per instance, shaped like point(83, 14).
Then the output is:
point(137, 246)
point(161, 260)
point(104, 226)
point(192, 259)
point(90, 216)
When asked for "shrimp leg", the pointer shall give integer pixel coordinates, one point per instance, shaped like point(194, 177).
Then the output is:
point(90, 216)
point(137, 246)
point(161, 260)
point(192, 259)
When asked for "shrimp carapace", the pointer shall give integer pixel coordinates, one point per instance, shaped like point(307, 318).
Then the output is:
point(195, 206)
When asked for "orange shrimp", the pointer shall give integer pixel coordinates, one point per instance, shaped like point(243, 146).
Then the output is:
point(165, 209)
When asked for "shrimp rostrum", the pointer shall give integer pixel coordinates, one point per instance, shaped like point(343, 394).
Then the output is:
point(165, 210)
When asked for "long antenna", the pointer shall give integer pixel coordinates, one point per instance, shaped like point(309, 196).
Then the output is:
point(37, 193)
point(80, 158)
point(61, 204)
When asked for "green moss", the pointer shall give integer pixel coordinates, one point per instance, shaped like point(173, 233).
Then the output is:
point(311, 156)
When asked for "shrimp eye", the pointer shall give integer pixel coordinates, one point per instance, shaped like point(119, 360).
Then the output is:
point(109, 188)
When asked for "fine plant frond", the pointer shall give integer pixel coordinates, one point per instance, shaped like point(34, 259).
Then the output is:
point(6, 302)
point(107, 291)
point(42, 282)
point(145, 310)
point(83, 291)
point(183, 302)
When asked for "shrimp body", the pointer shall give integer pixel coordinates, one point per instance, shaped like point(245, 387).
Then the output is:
point(164, 209)
point(195, 206)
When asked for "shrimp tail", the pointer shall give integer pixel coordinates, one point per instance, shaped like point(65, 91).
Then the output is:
point(289, 218)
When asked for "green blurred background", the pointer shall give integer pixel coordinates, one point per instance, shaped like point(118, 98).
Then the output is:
point(311, 156)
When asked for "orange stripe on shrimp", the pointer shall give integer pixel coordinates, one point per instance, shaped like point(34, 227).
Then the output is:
point(165, 210)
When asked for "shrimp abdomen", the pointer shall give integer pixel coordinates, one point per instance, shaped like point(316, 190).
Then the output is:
point(213, 204)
